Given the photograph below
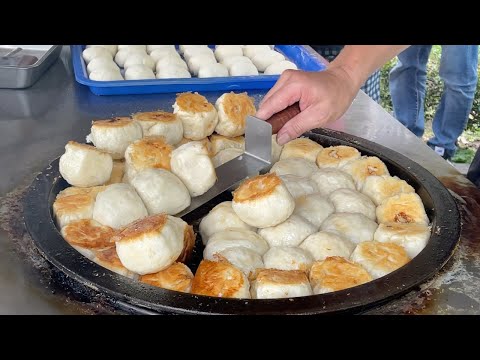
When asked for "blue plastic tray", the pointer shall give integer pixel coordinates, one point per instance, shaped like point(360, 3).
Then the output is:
point(295, 53)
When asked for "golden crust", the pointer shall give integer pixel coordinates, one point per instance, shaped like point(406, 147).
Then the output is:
point(109, 259)
point(237, 107)
point(118, 171)
point(176, 277)
point(77, 145)
point(150, 224)
point(220, 142)
point(386, 256)
point(220, 279)
point(256, 187)
point(302, 147)
point(151, 152)
point(404, 229)
point(75, 198)
point(188, 244)
point(333, 155)
point(366, 166)
point(337, 273)
point(155, 116)
point(193, 102)
point(282, 277)
point(402, 208)
point(89, 234)
point(112, 123)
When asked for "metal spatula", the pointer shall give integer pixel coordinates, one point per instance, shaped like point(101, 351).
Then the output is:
point(257, 157)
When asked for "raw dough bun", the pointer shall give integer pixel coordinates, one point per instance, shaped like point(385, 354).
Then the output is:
point(161, 123)
point(279, 67)
point(379, 259)
point(355, 227)
point(182, 48)
point(412, 237)
point(294, 166)
point(251, 50)
point(314, 208)
point(263, 201)
point(173, 72)
point(84, 165)
point(198, 116)
point(170, 60)
point(402, 208)
point(287, 258)
point(229, 238)
point(106, 74)
point(123, 54)
point(247, 260)
point(195, 51)
point(212, 70)
point(160, 54)
point(351, 201)
point(264, 59)
point(139, 72)
point(73, 204)
point(95, 52)
point(337, 156)
point(192, 164)
point(329, 179)
point(220, 279)
point(224, 51)
point(114, 135)
point(291, 232)
point(161, 191)
point(139, 59)
point(336, 273)
point(101, 63)
point(323, 244)
point(151, 244)
point(221, 217)
point(151, 48)
point(233, 110)
point(133, 47)
point(303, 148)
point(380, 188)
point(243, 69)
point(229, 61)
point(299, 186)
point(118, 205)
point(275, 284)
point(177, 277)
point(111, 48)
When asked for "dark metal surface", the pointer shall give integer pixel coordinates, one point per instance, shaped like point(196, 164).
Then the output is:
point(439, 204)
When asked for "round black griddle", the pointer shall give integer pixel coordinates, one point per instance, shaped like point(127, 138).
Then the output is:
point(141, 298)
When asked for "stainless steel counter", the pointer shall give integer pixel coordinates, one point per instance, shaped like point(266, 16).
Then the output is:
point(36, 123)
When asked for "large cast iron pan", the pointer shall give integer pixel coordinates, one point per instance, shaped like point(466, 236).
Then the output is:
point(126, 293)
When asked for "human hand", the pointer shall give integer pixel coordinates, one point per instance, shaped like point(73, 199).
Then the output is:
point(322, 96)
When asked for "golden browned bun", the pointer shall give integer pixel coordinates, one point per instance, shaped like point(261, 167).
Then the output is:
point(176, 277)
point(402, 208)
point(150, 152)
point(413, 237)
point(75, 203)
point(336, 156)
point(273, 284)
point(364, 167)
point(379, 188)
point(301, 148)
point(114, 122)
point(161, 123)
point(336, 273)
point(232, 113)
point(263, 201)
point(109, 259)
point(154, 117)
point(220, 142)
point(118, 171)
point(88, 234)
point(379, 259)
point(188, 243)
point(193, 102)
point(220, 279)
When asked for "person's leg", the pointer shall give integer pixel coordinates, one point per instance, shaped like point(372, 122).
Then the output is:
point(407, 87)
point(372, 86)
point(474, 170)
point(458, 70)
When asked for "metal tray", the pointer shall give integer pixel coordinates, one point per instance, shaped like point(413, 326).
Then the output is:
point(303, 56)
point(20, 77)
point(141, 298)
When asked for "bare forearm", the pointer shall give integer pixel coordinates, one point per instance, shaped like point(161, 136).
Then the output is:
point(360, 61)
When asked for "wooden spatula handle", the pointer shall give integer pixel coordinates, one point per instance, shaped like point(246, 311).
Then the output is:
point(282, 117)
